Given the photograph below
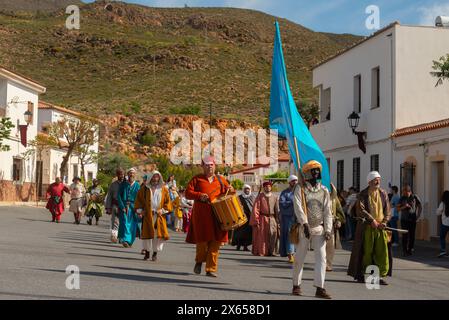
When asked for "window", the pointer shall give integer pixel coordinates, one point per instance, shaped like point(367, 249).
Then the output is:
point(358, 93)
point(90, 175)
point(356, 173)
point(340, 175)
point(249, 178)
point(407, 175)
point(75, 170)
point(375, 88)
point(17, 169)
point(375, 162)
point(325, 108)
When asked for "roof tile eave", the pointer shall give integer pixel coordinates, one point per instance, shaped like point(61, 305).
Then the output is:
point(421, 128)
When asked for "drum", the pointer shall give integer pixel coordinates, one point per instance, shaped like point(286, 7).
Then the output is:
point(229, 212)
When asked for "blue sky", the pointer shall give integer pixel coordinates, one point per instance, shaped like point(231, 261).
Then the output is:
point(338, 16)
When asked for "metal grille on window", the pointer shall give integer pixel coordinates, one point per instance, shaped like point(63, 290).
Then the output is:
point(407, 174)
point(356, 173)
point(375, 162)
point(340, 175)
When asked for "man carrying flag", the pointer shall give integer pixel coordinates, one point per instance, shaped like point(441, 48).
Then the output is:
point(312, 195)
point(316, 227)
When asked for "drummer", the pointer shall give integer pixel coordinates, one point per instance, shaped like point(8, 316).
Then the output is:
point(204, 231)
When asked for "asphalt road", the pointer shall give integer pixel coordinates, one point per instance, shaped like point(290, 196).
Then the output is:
point(34, 255)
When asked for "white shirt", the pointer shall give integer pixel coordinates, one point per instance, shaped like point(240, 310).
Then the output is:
point(440, 211)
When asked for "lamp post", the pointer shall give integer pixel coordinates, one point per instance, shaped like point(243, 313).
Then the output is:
point(353, 121)
point(28, 117)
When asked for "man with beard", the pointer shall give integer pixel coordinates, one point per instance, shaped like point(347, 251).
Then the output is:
point(152, 204)
point(204, 230)
point(128, 218)
point(371, 240)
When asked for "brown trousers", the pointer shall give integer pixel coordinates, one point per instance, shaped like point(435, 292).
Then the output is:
point(208, 252)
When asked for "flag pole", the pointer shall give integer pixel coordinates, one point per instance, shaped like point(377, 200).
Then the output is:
point(300, 177)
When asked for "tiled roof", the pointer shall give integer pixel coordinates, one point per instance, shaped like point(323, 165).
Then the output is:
point(62, 143)
point(46, 105)
point(22, 77)
point(421, 128)
point(246, 169)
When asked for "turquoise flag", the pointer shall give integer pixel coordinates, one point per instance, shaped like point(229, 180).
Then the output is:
point(284, 115)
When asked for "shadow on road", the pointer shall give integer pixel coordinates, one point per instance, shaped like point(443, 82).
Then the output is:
point(148, 270)
point(310, 279)
point(267, 292)
point(133, 277)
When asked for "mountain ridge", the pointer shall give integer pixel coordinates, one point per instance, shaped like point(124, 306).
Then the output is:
point(137, 60)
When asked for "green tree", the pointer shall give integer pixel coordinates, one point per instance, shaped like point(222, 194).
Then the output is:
point(108, 162)
point(183, 174)
point(5, 130)
point(237, 184)
point(148, 139)
point(278, 175)
point(308, 111)
point(441, 68)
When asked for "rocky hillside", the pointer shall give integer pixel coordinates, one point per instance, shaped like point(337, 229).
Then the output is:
point(36, 5)
point(140, 61)
point(142, 139)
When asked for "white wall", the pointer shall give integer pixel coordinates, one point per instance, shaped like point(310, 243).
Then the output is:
point(436, 149)
point(55, 157)
point(417, 99)
point(347, 155)
point(338, 74)
point(16, 114)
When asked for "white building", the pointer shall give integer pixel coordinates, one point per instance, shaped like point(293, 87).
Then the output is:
point(52, 158)
point(386, 80)
point(253, 175)
point(18, 95)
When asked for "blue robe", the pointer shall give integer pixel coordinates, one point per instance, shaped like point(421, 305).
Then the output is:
point(287, 219)
point(128, 226)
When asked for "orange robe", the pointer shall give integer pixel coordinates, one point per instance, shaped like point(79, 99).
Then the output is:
point(143, 201)
point(204, 227)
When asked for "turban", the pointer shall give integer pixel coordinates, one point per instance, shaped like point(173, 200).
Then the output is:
point(209, 160)
point(372, 175)
point(131, 170)
point(267, 183)
point(246, 186)
point(312, 164)
point(291, 178)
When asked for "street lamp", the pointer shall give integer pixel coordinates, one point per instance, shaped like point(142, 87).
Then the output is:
point(353, 121)
point(28, 117)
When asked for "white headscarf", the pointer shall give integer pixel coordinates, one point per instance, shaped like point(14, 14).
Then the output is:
point(291, 178)
point(244, 195)
point(372, 175)
point(150, 176)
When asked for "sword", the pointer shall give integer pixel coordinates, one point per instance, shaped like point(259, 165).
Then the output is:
point(402, 231)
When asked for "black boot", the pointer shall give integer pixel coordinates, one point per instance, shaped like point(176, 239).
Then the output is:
point(147, 255)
